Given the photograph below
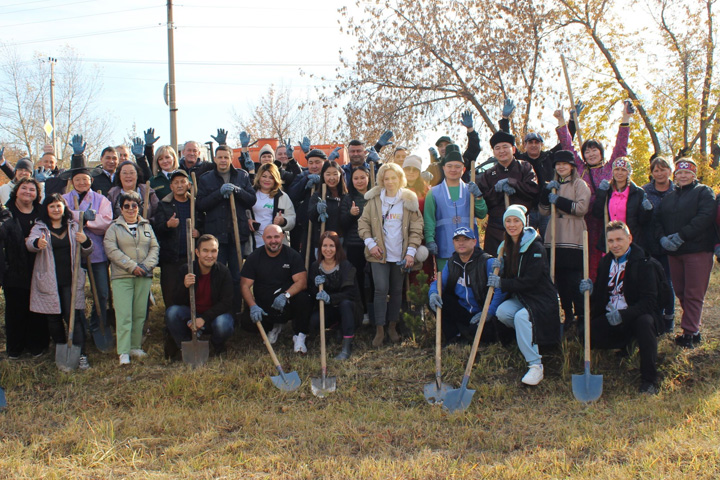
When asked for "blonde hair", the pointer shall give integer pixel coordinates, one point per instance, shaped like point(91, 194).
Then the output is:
point(395, 168)
point(268, 167)
point(161, 152)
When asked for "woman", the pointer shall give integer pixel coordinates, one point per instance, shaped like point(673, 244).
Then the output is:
point(391, 227)
point(24, 329)
point(272, 206)
point(340, 290)
point(593, 169)
point(126, 180)
point(167, 163)
point(623, 201)
point(54, 239)
point(531, 307)
point(660, 185)
point(686, 234)
point(411, 166)
point(351, 208)
point(327, 209)
point(572, 201)
point(132, 249)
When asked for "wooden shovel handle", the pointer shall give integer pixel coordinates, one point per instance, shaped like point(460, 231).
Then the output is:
point(438, 326)
point(553, 230)
point(578, 132)
point(586, 295)
point(75, 275)
point(309, 236)
point(269, 347)
point(236, 230)
point(189, 243)
point(323, 360)
point(472, 197)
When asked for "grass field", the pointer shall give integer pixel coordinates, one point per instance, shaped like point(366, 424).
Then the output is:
point(162, 420)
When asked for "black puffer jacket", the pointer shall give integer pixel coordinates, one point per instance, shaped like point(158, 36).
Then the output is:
point(216, 208)
point(650, 243)
point(19, 262)
point(349, 222)
point(532, 286)
point(169, 238)
point(636, 216)
point(689, 211)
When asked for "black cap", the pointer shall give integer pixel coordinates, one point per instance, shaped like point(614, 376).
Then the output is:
point(178, 173)
point(316, 152)
point(564, 156)
point(452, 154)
point(502, 137)
point(442, 139)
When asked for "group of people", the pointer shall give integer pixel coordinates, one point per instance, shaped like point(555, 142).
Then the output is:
point(280, 238)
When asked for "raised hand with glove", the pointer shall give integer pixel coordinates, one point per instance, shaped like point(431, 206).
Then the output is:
point(385, 138)
point(244, 139)
point(247, 162)
point(508, 108)
point(466, 119)
point(78, 145)
point(372, 155)
point(434, 155)
point(305, 145)
point(221, 137)
point(42, 174)
point(335, 154)
point(150, 137)
point(138, 147)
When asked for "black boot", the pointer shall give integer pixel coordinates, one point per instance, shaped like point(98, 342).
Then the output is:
point(346, 349)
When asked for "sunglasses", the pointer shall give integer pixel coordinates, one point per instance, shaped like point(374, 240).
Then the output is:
point(130, 206)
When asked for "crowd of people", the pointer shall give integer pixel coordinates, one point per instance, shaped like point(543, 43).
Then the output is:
point(270, 240)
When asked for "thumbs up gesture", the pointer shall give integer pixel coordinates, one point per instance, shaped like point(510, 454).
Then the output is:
point(279, 219)
point(354, 210)
point(42, 242)
point(173, 222)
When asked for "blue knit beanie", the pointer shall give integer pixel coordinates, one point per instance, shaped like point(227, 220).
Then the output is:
point(518, 211)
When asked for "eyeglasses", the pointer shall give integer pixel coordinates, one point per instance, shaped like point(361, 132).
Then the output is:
point(130, 206)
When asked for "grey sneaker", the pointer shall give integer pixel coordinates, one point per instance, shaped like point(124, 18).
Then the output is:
point(84, 363)
point(138, 353)
point(274, 333)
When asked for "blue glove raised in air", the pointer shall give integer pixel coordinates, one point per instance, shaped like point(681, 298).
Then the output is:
point(434, 155)
point(435, 302)
point(604, 186)
point(647, 204)
point(672, 242)
point(221, 137)
point(385, 138)
point(289, 150)
point(466, 119)
point(138, 147)
point(228, 189)
point(432, 248)
point(579, 107)
point(256, 314)
point(150, 137)
point(280, 302)
point(42, 174)
point(613, 317)
point(247, 162)
point(335, 154)
point(244, 139)
point(77, 145)
point(323, 296)
point(586, 285)
point(508, 107)
point(372, 155)
point(319, 280)
point(474, 189)
point(553, 184)
point(313, 179)
point(305, 145)
point(493, 281)
point(89, 214)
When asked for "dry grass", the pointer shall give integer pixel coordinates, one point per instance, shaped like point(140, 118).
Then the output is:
point(162, 420)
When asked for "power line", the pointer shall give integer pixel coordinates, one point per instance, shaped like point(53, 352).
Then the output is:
point(207, 63)
point(80, 16)
point(236, 7)
point(93, 34)
point(259, 27)
point(44, 8)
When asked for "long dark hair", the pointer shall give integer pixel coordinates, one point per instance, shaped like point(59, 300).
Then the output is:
point(341, 187)
point(339, 252)
point(53, 198)
point(511, 254)
point(351, 186)
point(117, 181)
point(22, 181)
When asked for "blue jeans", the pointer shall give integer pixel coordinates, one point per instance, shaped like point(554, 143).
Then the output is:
point(177, 317)
point(102, 285)
point(512, 313)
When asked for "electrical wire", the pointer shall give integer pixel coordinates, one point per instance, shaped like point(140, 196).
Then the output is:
point(205, 63)
point(93, 34)
point(80, 16)
point(44, 8)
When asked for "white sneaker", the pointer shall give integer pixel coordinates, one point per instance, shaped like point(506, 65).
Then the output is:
point(299, 341)
point(124, 359)
point(366, 319)
point(274, 333)
point(138, 353)
point(533, 375)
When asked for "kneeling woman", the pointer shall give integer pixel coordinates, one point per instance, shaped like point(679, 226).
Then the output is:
point(340, 290)
point(531, 307)
point(54, 238)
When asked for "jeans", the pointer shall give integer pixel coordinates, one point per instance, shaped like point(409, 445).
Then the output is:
point(177, 317)
point(102, 286)
point(344, 312)
point(512, 313)
point(388, 278)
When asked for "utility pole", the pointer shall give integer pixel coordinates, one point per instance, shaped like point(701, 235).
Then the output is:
point(52, 61)
point(171, 80)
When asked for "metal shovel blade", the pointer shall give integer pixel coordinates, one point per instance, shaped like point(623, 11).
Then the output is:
point(195, 352)
point(103, 338)
point(458, 399)
point(435, 395)
point(587, 387)
point(287, 382)
point(3, 401)
point(67, 358)
point(321, 386)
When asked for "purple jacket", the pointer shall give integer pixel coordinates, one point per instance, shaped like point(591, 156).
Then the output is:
point(96, 229)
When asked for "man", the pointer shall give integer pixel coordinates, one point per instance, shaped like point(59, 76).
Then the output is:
point(359, 156)
point(286, 163)
point(104, 174)
point(625, 302)
point(23, 169)
point(447, 206)
point(471, 152)
point(170, 220)
point(464, 282)
point(213, 300)
point(300, 193)
point(511, 177)
point(214, 191)
point(191, 161)
point(273, 284)
point(400, 155)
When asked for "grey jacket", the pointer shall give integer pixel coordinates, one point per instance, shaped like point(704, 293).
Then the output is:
point(126, 251)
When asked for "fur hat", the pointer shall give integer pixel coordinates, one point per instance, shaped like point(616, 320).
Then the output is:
point(452, 154)
point(564, 156)
point(502, 137)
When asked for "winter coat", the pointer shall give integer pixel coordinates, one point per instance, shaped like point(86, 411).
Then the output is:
point(169, 238)
point(95, 229)
point(636, 216)
point(160, 184)
point(649, 242)
point(543, 164)
point(44, 296)
point(370, 222)
point(570, 209)
point(300, 197)
point(689, 211)
point(18, 260)
point(114, 197)
point(200, 168)
point(349, 222)
point(521, 177)
point(281, 201)
point(288, 172)
point(345, 288)
point(103, 183)
point(532, 286)
point(126, 251)
point(333, 212)
point(216, 207)
point(221, 290)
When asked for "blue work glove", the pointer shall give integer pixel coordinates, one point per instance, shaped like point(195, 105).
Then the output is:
point(42, 174)
point(247, 162)
point(473, 189)
point(671, 242)
point(150, 137)
point(629, 107)
point(321, 207)
point(372, 155)
point(604, 186)
point(221, 137)
point(385, 138)
point(289, 150)
point(493, 281)
point(434, 155)
point(435, 302)
point(319, 280)
point(89, 214)
point(579, 107)
point(2, 155)
point(432, 248)
point(508, 108)
point(77, 145)
point(717, 253)
point(553, 184)
point(402, 266)
point(613, 317)
point(244, 139)
point(305, 145)
point(323, 217)
point(508, 189)
point(499, 264)
point(647, 204)
point(586, 285)
point(335, 154)
point(427, 176)
point(553, 198)
point(466, 119)
point(313, 179)
point(476, 318)
point(280, 302)
point(323, 296)
point(500, 185)
point(138, 147)
point(227, 189)
point(256, 314)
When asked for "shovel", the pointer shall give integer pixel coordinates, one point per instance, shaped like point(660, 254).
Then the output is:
point(507, 201)
point(3, 401)
point(553, 255)
point(587, 387)
point(236, 231)
point(67, 355)
point(324, 384)
point(195, 352)
point(459, 399)
point(436, 391)
point(284, 381)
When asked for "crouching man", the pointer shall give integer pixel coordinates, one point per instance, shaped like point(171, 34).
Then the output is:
point(213, 298)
